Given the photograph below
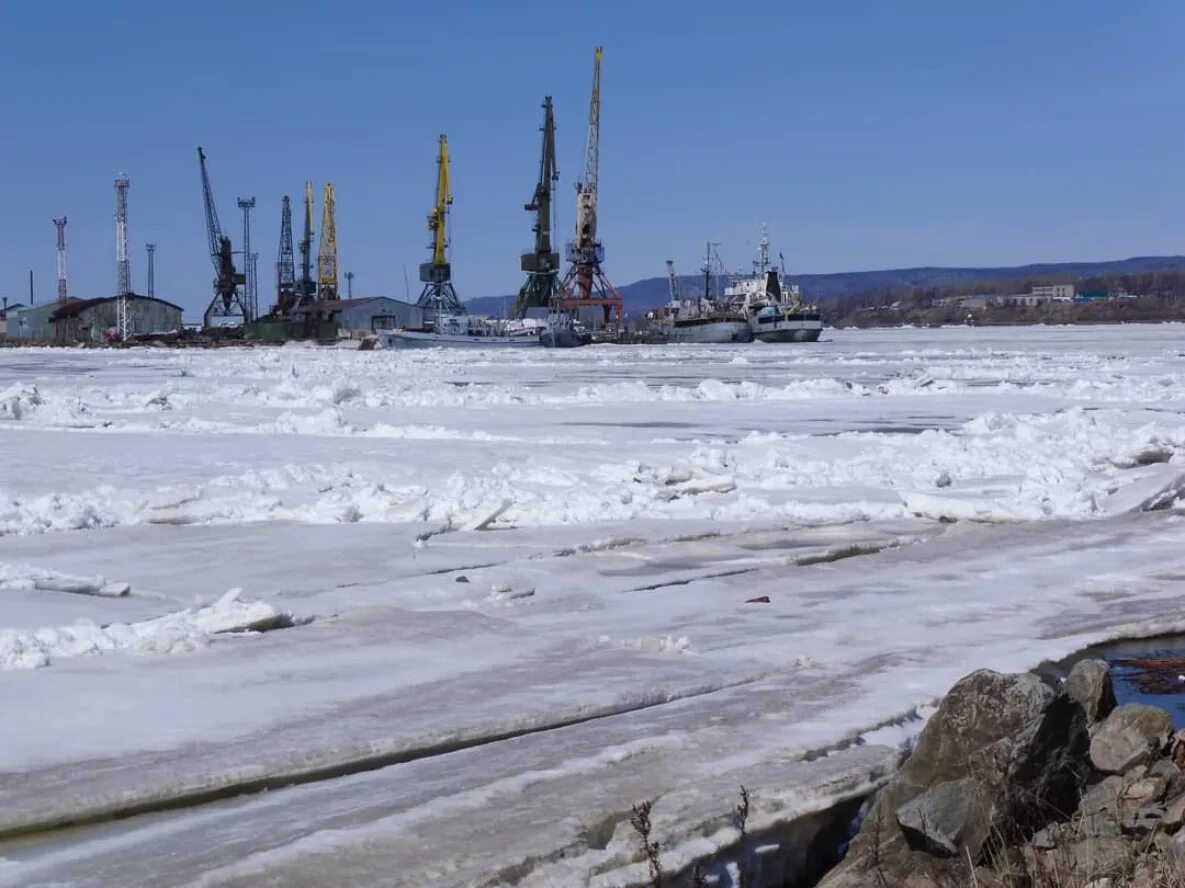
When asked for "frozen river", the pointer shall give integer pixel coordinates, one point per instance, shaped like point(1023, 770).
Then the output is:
point(456, 612)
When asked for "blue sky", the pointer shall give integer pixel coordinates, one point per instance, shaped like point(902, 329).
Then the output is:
point(866, 134)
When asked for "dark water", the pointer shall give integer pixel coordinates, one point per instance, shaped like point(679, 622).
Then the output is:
point(1148, 670)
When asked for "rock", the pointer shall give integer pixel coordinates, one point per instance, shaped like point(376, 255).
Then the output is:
point(760, 599)
point(1099, 858)
point(947, 817)
point(1142, 821)
point(1045, 839)
point(1103, 796)
point(1139, 793)
point(1174, 813)
point(1089, 685)
point(1129, 736)
point(1013, 743)
point(1174, 854)
point(462, 579)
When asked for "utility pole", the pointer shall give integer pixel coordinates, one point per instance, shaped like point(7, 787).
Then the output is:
point(61, 226)
point(151, 270)
point(349, 285)
point(246, 204)
point(30, 288)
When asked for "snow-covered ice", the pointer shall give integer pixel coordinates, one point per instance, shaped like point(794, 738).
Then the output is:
point(512, 594)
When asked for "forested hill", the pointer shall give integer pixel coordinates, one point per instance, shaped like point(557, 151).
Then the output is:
point(646, 294)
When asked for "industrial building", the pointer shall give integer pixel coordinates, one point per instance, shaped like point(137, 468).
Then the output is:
point(358, 316)
point(91, 320)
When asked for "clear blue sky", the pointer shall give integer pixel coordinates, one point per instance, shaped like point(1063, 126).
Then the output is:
point(867, 134)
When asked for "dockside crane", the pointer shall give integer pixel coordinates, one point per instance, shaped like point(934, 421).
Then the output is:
point(438, 294)
point(672, 282)
point(307, 290)
point(542, 287)
point(228, 301)
point(327, 250)
point(585, 284)
point(285, 264)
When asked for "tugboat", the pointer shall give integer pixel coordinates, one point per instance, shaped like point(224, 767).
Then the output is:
point(775, 311)
point(701, 320)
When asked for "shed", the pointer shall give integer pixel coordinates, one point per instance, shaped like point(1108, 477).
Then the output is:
point(31, 323)
point(96, 320)
point(362, 315)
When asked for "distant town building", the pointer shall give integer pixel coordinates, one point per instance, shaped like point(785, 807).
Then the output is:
point(1054, 292)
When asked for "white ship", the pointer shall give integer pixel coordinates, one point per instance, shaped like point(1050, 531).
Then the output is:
point(774, 309)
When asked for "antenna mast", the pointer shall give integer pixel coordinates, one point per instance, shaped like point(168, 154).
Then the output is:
point(151, 270)
point(61, 226)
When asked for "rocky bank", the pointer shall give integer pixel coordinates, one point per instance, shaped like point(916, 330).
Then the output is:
point(1019, 782)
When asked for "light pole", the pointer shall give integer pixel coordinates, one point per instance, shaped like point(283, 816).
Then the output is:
point(349, 285)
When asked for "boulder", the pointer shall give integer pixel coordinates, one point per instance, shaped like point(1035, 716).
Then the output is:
point(1174, 813)
point(947, 817)
point(1089, 685)
point(1103, 796)
point(1174, 853)
point(1129, 736)
point(1012, 744)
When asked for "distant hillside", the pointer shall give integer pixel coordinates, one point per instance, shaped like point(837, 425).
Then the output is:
point(643, 295)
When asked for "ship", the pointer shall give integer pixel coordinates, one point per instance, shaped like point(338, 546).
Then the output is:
point(774, 309)
point(701, 320)
point(457, 329)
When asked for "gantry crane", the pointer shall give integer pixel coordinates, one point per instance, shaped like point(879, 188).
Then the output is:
point(307, 289)
point(542, 288)
point(327, 250)
point(585, 284)
point(228, 301)
point(285, 264)
point(438, 294)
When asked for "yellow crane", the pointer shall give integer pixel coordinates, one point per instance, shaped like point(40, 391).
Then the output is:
point(438, 294)
point(327, 251)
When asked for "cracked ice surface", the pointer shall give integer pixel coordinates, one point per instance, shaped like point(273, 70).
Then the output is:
point(530, 575)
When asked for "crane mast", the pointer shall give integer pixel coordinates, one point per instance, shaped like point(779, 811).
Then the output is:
point(228, 302)
point(327, 250)
point(285, 263)
point(438, 295)
point(585, 284)
point(542, 287)
point(307, 289)
point(672, 282)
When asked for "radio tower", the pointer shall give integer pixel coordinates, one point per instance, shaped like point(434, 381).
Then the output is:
point(123, 283)
point(246, 204)
point(61, 226)
point(123, 264)
point(151, 270)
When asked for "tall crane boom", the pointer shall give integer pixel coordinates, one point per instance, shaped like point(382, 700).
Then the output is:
point(228, 301)
point(542, 286)
point(308, 289)
point(285, 262)
point(585, 284)
point(438, 218)
point(586, 188)
point(327, 249)
point(438, 295)
point(672, 282)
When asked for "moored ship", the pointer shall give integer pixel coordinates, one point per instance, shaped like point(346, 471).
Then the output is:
point(775, 310)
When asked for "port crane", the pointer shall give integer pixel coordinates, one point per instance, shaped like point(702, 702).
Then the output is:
point(585, 284)
point(228, 302)
point(308, 288)
point(542, 288)
point(327, 250)
point(438, 294)
point(285, 264)
point(672, 282)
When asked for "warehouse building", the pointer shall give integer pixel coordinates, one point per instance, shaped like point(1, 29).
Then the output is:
point(97, 320)
point(30, 323)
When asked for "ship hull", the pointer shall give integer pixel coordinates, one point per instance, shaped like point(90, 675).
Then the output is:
point(708, 332)
point(430, 339)
point(769, 326)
